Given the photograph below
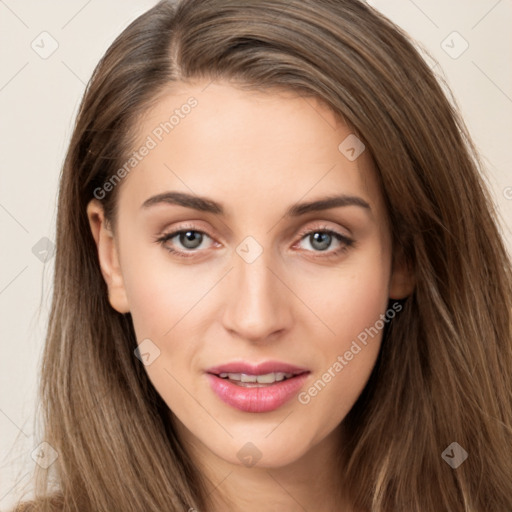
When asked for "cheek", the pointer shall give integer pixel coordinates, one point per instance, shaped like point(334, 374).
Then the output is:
point(159, 292)
point(169, 304)
point(356, 303)
point(164, 306)
point(350, 297)
point(348, 341)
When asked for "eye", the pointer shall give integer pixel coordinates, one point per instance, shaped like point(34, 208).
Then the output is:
point(321, 239)
point(184, 242)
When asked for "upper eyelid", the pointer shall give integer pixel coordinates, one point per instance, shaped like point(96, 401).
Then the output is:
point(321, 227)
point(301, 232)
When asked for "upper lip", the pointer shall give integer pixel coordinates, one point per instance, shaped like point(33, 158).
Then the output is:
point(256, 369)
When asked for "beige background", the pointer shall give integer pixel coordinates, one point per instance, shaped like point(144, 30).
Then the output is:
point(39, 98)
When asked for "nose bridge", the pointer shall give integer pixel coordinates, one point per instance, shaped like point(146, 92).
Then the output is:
point(256, 306)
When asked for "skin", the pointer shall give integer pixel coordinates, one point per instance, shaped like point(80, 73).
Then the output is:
point(257, 153)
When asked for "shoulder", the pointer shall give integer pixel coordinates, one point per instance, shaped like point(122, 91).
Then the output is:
point(49, 504)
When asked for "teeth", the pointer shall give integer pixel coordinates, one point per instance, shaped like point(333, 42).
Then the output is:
point(267, 378)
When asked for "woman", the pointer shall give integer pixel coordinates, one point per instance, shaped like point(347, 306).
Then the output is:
point(279, 280)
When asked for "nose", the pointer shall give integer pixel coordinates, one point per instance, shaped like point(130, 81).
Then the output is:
point(259, 304)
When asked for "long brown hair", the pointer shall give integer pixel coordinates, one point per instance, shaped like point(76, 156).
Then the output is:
point(444, 370)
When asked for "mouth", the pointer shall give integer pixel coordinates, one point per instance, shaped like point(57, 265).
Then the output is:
point(256, 388)
point(254, 381)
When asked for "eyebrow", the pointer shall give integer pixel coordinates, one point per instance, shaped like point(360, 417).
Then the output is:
point(205, 204)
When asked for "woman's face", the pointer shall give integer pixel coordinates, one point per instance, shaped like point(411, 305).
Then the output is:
point(266, 271)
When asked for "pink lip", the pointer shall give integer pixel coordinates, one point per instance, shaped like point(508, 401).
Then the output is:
point(257, 399)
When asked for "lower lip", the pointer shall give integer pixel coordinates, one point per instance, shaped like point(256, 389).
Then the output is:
point(256, 399)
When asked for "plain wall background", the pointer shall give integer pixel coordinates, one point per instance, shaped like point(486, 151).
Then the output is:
point(39, 98)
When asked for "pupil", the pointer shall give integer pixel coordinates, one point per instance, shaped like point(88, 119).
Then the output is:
point(320, 241)
point(191, 239)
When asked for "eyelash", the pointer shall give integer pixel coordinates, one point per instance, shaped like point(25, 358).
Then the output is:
point(345, 241)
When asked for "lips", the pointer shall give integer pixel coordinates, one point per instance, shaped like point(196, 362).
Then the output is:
point(256, 388)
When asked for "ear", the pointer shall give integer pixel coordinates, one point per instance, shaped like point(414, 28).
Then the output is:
point(402, 281)
point(108, 256)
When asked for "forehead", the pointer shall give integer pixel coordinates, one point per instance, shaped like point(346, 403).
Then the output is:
point(247, 148)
